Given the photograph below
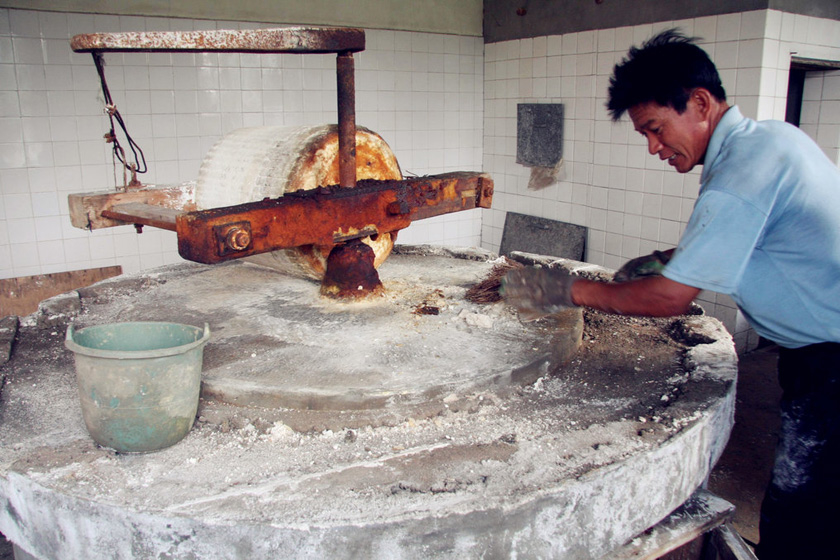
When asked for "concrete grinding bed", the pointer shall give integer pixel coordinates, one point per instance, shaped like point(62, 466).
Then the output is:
point(413, 425)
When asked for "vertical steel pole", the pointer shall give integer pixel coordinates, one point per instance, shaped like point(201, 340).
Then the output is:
point(346, 90)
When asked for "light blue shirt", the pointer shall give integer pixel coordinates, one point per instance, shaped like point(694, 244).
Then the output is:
point(766, 230)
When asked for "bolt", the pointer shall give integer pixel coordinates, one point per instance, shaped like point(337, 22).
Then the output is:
point(398, 208)
point(237, 238)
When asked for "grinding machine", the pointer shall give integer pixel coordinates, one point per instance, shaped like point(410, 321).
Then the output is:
point(411, 424)
point(326, 199)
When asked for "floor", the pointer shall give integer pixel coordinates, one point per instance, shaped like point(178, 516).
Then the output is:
point(744, 469)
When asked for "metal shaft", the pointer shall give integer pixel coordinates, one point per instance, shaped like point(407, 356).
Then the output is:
point(346, 86)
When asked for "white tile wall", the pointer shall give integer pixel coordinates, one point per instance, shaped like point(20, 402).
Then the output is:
point(422, 92)
point(821, 110)
point(629, 200)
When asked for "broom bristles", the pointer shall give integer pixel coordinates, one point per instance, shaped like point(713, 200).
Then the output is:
point(487, 291)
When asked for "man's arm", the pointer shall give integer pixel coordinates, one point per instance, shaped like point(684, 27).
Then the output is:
point(654, 296)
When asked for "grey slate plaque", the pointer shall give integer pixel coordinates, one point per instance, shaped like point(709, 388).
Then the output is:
point(539, 134)
point(542, 236)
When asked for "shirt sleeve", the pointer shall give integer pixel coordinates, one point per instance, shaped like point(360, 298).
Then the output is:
point(722, 233)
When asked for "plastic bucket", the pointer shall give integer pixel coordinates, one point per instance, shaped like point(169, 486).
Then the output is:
point(138, 382)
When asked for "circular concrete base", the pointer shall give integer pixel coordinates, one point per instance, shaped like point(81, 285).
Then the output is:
point(277, 343)
point(563, 466)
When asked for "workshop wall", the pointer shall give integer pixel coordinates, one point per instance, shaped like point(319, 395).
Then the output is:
point(631, 202)
point(455, 17)
point(423, 92)
point(444, 102)
point(821, 111)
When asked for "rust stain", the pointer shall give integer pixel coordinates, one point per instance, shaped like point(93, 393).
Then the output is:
point(318, 162)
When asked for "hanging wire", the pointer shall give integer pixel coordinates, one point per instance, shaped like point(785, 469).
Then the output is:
point(111, 136)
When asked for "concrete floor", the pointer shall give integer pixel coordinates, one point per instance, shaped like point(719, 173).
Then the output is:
point(5, 549)
point(744, 469)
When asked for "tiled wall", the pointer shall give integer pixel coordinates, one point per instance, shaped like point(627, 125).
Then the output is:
point(821, 110)
point(422, 92)
point(630, 201)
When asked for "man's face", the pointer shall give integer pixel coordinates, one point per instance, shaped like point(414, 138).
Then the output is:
point(679, 138)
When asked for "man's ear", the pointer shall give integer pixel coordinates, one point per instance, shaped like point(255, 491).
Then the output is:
point(703, 101)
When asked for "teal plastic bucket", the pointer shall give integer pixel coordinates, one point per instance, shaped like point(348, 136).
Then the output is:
point(138, 382)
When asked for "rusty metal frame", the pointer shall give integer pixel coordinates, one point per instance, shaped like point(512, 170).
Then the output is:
point(300, 40)
point(337, 217)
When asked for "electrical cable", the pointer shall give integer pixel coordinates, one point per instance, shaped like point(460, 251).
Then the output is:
point(114, 114)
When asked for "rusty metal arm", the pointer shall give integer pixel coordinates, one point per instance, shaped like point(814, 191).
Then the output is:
point(326, 216)
point(280, 40)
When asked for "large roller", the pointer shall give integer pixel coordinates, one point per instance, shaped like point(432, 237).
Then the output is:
point(250, 164)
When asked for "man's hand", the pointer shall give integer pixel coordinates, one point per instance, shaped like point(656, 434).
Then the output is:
point(537, 292)
point(641, 267)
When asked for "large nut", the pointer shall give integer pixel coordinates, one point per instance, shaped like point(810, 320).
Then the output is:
point(238, 238)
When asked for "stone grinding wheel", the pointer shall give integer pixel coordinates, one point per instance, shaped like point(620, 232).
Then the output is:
point(250, 164)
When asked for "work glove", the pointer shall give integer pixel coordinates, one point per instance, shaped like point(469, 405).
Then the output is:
point(640, 267)
point(537, 292)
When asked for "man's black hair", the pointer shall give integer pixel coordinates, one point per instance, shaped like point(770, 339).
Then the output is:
point(665, 70)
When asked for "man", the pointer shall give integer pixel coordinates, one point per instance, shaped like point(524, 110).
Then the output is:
point(766, 230)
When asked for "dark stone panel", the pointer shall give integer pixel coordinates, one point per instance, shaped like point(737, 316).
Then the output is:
point(516, 19)
point(539, 134)
point(829, 9)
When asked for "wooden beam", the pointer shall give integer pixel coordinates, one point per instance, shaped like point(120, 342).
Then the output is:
point(21, 296)
point(86, 208)
point(145, 214)
point(729, 544)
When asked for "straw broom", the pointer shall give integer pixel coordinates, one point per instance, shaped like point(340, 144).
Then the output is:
point(487, 291)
